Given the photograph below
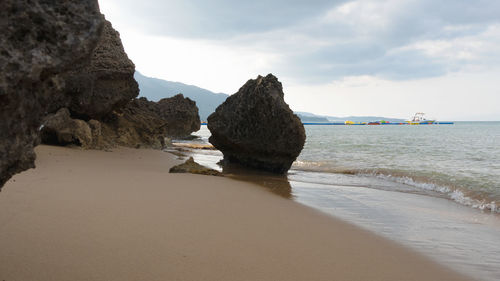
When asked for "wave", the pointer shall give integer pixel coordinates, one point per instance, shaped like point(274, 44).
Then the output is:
point(463, 191)
point(446, 186)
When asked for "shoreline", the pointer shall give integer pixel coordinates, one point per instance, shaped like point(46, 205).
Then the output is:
point(437, 184)
point(120, 215)
point(462, 238)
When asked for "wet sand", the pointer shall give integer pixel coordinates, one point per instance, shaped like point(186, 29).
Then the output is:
point(95, 215)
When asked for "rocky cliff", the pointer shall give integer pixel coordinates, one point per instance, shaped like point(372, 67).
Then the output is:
point(135, 125)
point(102, 95)
point(38, 41)
point(143, 123)
point(107, 83)
point(140, 124)
point(64, 64)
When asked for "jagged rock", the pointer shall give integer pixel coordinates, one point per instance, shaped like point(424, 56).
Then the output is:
point(135, 125)
point(107, 83)
point(256, 128)
point(140, 123)
point(61, 129)
point(143, 123)
point(104, 92)
point(194, 168)
point(181, 115)
point(38, 40)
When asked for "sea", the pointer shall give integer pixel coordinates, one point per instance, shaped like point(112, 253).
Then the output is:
point(433, 188)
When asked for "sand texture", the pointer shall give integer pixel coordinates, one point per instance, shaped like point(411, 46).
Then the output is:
point(96, 215)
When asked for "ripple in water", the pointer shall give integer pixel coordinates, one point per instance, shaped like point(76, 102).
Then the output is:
point(404, 182)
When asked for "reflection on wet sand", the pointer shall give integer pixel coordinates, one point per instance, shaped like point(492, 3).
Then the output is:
point(213, 159)
point(277, 184)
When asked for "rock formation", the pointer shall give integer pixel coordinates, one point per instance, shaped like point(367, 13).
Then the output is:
point(256, 128)
point(65, 61)
point(104, 92)
point(135, 125)
point(61, 129)
point(38, 40)
point(194, 168)
point(107, 83)
point(181, 115)
point(143, 123)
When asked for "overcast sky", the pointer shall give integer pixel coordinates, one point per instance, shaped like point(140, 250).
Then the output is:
point(338, 57)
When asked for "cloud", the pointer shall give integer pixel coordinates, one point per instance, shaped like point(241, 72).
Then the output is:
point(321, 41)
point(332, 64)
point(449, 97)
point(216, 19)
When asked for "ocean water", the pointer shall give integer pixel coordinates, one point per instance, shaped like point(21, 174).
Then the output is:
point(460, 162)
point(433, 188)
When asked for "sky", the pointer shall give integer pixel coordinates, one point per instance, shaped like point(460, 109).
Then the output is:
point(387, 58)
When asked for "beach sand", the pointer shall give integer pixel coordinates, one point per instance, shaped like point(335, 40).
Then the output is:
point(96, 215)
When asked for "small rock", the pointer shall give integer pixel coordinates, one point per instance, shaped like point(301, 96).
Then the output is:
point(61, 129)
point(194, 168)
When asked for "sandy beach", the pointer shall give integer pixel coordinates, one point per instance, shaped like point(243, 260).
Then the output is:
point(96, 215)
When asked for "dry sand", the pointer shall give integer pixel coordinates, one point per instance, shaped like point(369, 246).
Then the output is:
point(95, 215)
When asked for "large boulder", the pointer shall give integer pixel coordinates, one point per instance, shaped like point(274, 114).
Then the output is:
point(59, 128)
point(140, 123)
point(143, 123)
point(256, 128)
point(135, 125)
point(38, 40)
point(181, 115)
point(107, 83)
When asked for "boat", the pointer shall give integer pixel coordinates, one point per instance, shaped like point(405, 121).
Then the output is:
point(419, 119)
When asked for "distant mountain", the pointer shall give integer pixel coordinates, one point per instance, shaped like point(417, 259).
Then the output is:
point(307, 114)
point(313, 119)
point(310, 117)
point(155, 89)
point(364, 119)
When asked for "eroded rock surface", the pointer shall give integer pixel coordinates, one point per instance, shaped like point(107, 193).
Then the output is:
point(143, 123)
point(256, 128)
point(61, 129)
point(135, 125)
point(107, 83)
point(104, 94)
point(38, 40)
point(181, 115)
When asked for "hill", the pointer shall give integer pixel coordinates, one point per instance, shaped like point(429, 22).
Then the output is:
point(310, 117)
point(364, 119)
point(155, 89)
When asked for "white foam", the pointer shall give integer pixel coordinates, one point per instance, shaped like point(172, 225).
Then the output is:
point(452, 193)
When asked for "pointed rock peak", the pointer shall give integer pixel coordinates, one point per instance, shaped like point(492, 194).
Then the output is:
point(255, 127)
